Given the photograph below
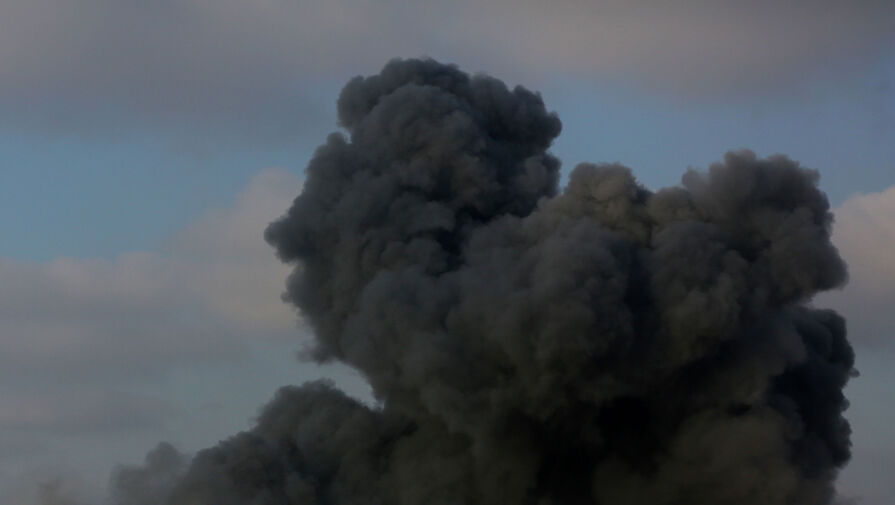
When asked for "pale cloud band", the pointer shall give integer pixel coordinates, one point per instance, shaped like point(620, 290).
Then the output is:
point(254, 69)
point(89, 346)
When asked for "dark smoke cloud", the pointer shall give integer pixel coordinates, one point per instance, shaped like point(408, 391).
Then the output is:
point(603, 345)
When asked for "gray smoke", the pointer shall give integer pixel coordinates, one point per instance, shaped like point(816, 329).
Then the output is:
point(602, 345)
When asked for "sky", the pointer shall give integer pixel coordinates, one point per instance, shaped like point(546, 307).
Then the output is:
point(144, 146)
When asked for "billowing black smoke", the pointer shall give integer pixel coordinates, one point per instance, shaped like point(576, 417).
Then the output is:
point(604, 345)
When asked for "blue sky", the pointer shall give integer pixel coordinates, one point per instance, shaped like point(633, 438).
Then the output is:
point(143, 147)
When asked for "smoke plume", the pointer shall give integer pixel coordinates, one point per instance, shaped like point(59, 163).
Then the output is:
point(601, 345)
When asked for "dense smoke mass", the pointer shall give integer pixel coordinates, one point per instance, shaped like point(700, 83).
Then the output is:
point(605, 344)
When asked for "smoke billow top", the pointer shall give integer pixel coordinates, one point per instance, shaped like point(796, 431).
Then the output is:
point(601, 345)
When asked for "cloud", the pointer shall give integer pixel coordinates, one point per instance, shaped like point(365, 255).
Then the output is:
point(89, 348)
point(93, 412)
point(215, 284)
point(255, 69)
point(864, 232)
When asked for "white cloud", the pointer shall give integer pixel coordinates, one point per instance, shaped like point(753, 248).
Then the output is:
point(216, 285)
point(255, 69)
point(98, 357)
point(864, 233)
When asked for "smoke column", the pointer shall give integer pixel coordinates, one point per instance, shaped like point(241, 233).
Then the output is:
point(601, 345)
